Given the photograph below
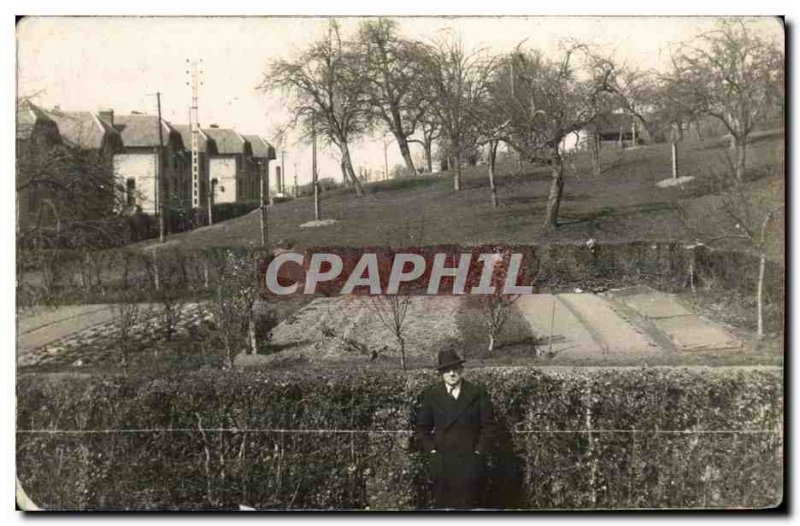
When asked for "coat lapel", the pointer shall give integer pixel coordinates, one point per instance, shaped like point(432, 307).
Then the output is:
point(456, 407)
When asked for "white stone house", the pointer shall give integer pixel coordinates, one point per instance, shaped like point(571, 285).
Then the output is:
point(263, 153)
point(231, 179)
point(137, 164)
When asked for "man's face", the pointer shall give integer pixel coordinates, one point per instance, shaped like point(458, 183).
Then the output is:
point(452, 375)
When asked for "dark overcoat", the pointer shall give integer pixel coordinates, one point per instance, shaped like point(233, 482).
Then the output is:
point(461, 432)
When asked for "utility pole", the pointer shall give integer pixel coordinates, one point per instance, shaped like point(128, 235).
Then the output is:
point(211, 185)
point(314, 177)
point(283, 171)
point(162, 233)
point(385, 160)
point(511, 75)
point(264, 180)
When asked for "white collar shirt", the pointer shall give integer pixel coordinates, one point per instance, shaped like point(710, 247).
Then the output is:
point(454, 390)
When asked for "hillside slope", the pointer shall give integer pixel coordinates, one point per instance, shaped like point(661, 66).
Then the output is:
point(620, 204)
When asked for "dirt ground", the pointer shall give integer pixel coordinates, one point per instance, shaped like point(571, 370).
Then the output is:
point(543, 329)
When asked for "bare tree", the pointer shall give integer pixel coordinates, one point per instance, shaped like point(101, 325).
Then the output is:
point(496, 305)
point(327, 92)
point(393, 67)
point(430, 130)
point(170, 293)
point(496, 309)
point(540, 103)
point(672, 111)
point(391, 311)
point(459, 81)
point(126, 314)
point(232, 306)
point(734, 75)
point(738, 219)
point(172, 304)
point(628, 90)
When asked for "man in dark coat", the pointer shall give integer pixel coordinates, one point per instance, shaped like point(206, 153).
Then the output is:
point(455, 425)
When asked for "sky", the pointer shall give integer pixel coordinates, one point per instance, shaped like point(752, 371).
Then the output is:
point(119, 63)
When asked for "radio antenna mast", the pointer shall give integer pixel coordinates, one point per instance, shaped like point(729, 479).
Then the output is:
point(194, 124)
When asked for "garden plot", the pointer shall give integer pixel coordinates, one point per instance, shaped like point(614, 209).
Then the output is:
point(575, 327)
point(585, 329)
point(548, 316)
point(350, 329)
point(615, 333)
point(623, 326)
point(650, 303)
point(82, 335)
point(686, 330)
point(42, 326)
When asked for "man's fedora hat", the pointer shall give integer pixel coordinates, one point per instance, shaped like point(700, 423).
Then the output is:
point(447, 359)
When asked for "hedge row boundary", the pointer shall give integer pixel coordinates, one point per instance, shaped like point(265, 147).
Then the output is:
point(582, 438)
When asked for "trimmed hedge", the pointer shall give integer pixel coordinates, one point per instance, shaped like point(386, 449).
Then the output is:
point(57, 277)
point(117, 231)
point(569, 438)
point(82, 276)
point(662, 265)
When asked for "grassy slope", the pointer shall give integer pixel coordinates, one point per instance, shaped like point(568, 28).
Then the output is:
point(620, 204)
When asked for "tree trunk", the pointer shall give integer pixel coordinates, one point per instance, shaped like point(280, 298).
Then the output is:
point(156, 280)
point(762, 266)
point(457, 175)
point(429, 155)
point(251, 333)
point(314, 172)
point(492, 157)
point(402, 142)
point(348, 165)
point(595, 149)
point(402, 343)
point(228, 356)
point(554, 198)
point(738, 146)
point(674, 146)
point(345, 178)
point(85, 278)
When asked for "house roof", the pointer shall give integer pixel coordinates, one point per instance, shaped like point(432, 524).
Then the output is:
point(82, 128)
point(612, 122)
point(138, 130)
point(204, 143)
point(228, 141)
point(28, 116)
point(261, 148)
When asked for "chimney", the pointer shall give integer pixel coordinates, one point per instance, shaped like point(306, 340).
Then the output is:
point(107, 115)
point(213, 125)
